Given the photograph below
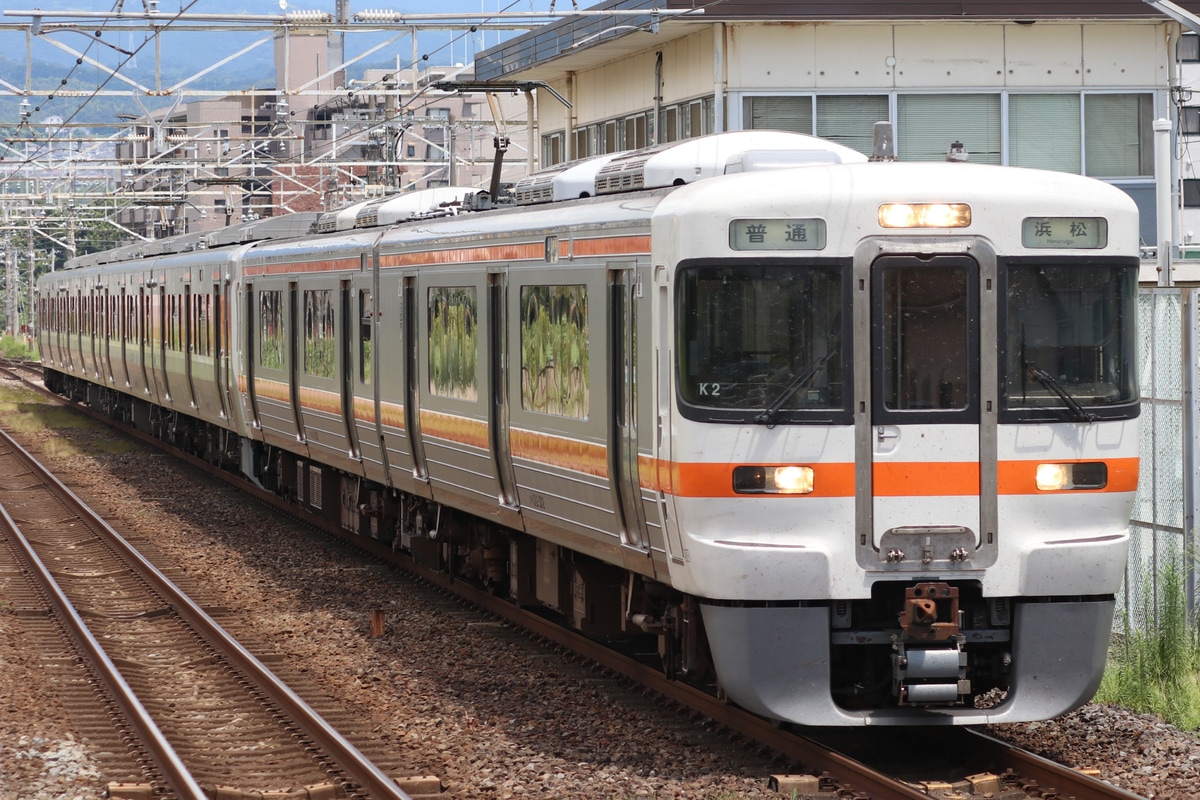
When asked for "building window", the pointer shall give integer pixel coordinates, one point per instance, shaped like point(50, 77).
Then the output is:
point(1191, 192)
point(552, 149)
point(580, 143)
point(610, 137)
point(850, 120)
point(692, 119)
point(1189, 120)
point(636, 136)
point(1098, 134)
point(927, 124)
point(1187, 50)
point(1043, 132)
point(782, 113)
point(1118, 140)
point(670, 125)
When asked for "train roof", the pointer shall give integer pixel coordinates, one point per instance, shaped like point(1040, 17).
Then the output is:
point(282, 227)
point(664, 165)
point(678, 163)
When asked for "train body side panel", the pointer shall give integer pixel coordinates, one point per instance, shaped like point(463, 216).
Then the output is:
point(319, 370)
point(267, 397)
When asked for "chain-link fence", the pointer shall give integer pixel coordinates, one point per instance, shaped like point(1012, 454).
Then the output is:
point(1159, 532)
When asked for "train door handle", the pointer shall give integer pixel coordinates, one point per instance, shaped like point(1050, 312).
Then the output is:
point(885, 432)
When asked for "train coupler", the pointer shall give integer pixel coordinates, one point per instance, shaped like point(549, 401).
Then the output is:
point(930, 675)
point(929, 665)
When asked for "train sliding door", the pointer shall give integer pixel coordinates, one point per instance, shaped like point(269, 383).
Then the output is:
point(623, 429)
point(931, 498)
point(498, 417)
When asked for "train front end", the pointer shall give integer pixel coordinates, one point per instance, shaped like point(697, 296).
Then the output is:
point(899, 405)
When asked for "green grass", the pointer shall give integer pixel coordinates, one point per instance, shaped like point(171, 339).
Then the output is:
point(12, 347)
point(24, 411)
point(1155, 668)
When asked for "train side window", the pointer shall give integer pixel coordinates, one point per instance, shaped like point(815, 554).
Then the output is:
point(554, 350)
point(320, 340)
point(201, 342)
point(454, 342)
point(366, 313)
point(272, 332)
point(131, 319)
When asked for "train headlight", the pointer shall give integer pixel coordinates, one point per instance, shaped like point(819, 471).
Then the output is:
point(773, 480)
point(1060, 477)
point(924, 215)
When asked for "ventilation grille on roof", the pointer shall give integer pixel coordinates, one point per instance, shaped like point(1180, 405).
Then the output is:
point(540, 192)
point(622, 176)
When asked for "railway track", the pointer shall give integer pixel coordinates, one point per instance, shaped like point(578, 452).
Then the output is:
point(194, 707)
point(856, 765)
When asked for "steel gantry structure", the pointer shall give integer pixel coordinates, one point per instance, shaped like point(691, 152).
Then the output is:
point(330, 129)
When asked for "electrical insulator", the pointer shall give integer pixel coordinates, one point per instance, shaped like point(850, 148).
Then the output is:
point(378, 15)
point(308, 17)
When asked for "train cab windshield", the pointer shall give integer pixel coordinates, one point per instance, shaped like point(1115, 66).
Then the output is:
point(1069, 342)
point(763, 342)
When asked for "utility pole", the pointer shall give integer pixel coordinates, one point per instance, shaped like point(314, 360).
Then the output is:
point(29, 307)
point(31, 320)
point(70, 230)
point(12, 289)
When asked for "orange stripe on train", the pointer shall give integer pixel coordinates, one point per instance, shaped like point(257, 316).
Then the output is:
point(559, 451)
point(324, 265)
point(911, 479)
point(463, 430)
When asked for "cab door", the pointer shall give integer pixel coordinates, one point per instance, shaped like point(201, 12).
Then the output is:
point(925, 479)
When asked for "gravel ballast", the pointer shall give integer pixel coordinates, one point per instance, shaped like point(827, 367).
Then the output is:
point(490, 713)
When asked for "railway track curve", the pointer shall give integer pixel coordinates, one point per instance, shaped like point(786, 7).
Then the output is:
point(967, 765)
point(169, 669)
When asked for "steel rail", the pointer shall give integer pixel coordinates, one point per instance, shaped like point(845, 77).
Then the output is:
point(1068, 782)
point(855, 774)
point(170, 766)
point(814, 755)
point(357, 769)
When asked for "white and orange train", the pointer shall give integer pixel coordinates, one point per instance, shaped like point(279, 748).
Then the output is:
point(855, 440)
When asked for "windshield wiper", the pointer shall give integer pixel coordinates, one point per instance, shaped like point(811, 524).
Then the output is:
point(1075, 410)
point(768, 417)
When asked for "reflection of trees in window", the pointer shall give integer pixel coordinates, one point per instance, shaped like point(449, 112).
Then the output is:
point(131, 319)
point(271, 329)
point(453, 342)
point(202, 324)
point(554, 350)
point(174, 322)
point(319, 341)
point(366, 311)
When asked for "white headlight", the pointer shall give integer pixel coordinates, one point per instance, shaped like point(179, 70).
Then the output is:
point(1053, 477)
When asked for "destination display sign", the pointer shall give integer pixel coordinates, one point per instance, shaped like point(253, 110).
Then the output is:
point(777, 234)
point(1073, 233)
